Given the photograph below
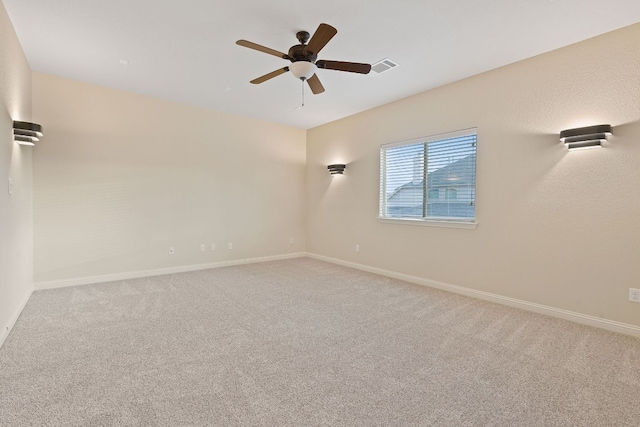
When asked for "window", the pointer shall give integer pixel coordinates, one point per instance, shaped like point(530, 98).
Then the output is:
point(452, 193)
point(414, 174)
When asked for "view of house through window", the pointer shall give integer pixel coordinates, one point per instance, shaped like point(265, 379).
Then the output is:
point(431, 178)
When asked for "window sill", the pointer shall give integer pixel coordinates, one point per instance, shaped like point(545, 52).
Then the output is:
point(430, 223)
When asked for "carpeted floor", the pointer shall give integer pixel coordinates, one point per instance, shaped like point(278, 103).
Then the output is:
point(305, 343)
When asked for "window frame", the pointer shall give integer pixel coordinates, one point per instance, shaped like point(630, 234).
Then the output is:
point(449, 222)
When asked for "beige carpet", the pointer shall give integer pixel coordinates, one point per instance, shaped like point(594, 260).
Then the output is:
point(305, 343)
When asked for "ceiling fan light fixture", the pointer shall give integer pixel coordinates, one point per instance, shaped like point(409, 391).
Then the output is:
point(303, 70)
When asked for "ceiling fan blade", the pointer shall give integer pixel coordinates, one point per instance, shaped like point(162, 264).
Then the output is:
point(320, 38)
point(352, 67)
point(260, 48)
point(270, 75)
point(315, 85)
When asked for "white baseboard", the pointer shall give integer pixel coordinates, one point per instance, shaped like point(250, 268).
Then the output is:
point(157, 272)
point(585, 319)
point(572, 316)
point(6, 329)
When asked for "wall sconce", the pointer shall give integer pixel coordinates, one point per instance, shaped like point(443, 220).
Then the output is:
point(336, 169)
point(587, 137)
point(25, 133)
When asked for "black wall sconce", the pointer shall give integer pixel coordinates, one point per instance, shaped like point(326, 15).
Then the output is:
point(25, 133)
point(587, 137)
point(336, 169)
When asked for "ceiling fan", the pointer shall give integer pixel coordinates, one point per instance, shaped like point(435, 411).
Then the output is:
point(303, 57)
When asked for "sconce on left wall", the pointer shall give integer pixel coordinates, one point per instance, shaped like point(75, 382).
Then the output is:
point(26, 133)
point(337, 169)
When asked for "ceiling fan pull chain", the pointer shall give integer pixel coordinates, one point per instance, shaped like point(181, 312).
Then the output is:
point(302, 80)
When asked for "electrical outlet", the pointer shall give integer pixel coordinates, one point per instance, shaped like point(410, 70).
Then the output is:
point(171, 250)
point(357, 248)
point(290, 240)
point(10, 187)
point(230, 246)
point(203, 247)
point(213, 247)
point(634, 295)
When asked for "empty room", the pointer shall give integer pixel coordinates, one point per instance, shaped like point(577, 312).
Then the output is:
point(279, 213)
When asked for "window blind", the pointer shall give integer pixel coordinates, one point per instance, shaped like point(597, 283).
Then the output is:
point(430, 178)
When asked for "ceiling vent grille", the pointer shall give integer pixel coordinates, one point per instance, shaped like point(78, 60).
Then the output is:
point(384, 65)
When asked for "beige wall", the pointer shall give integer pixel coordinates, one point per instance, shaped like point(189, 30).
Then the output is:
point(554, 228)
point(16, 232)
point(122, 177)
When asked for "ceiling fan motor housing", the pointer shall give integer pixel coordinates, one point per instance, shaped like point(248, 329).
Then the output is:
point(302, 63)
point(297, 53)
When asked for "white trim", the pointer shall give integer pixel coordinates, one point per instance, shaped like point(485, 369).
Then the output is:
point(157, 272)
point(6, 329)
point(585, 319)
point(429, 222)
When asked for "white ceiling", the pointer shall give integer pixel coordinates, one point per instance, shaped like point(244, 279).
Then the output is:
point(185, 50)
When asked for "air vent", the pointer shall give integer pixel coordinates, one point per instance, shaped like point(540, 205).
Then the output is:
point(384, 65)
